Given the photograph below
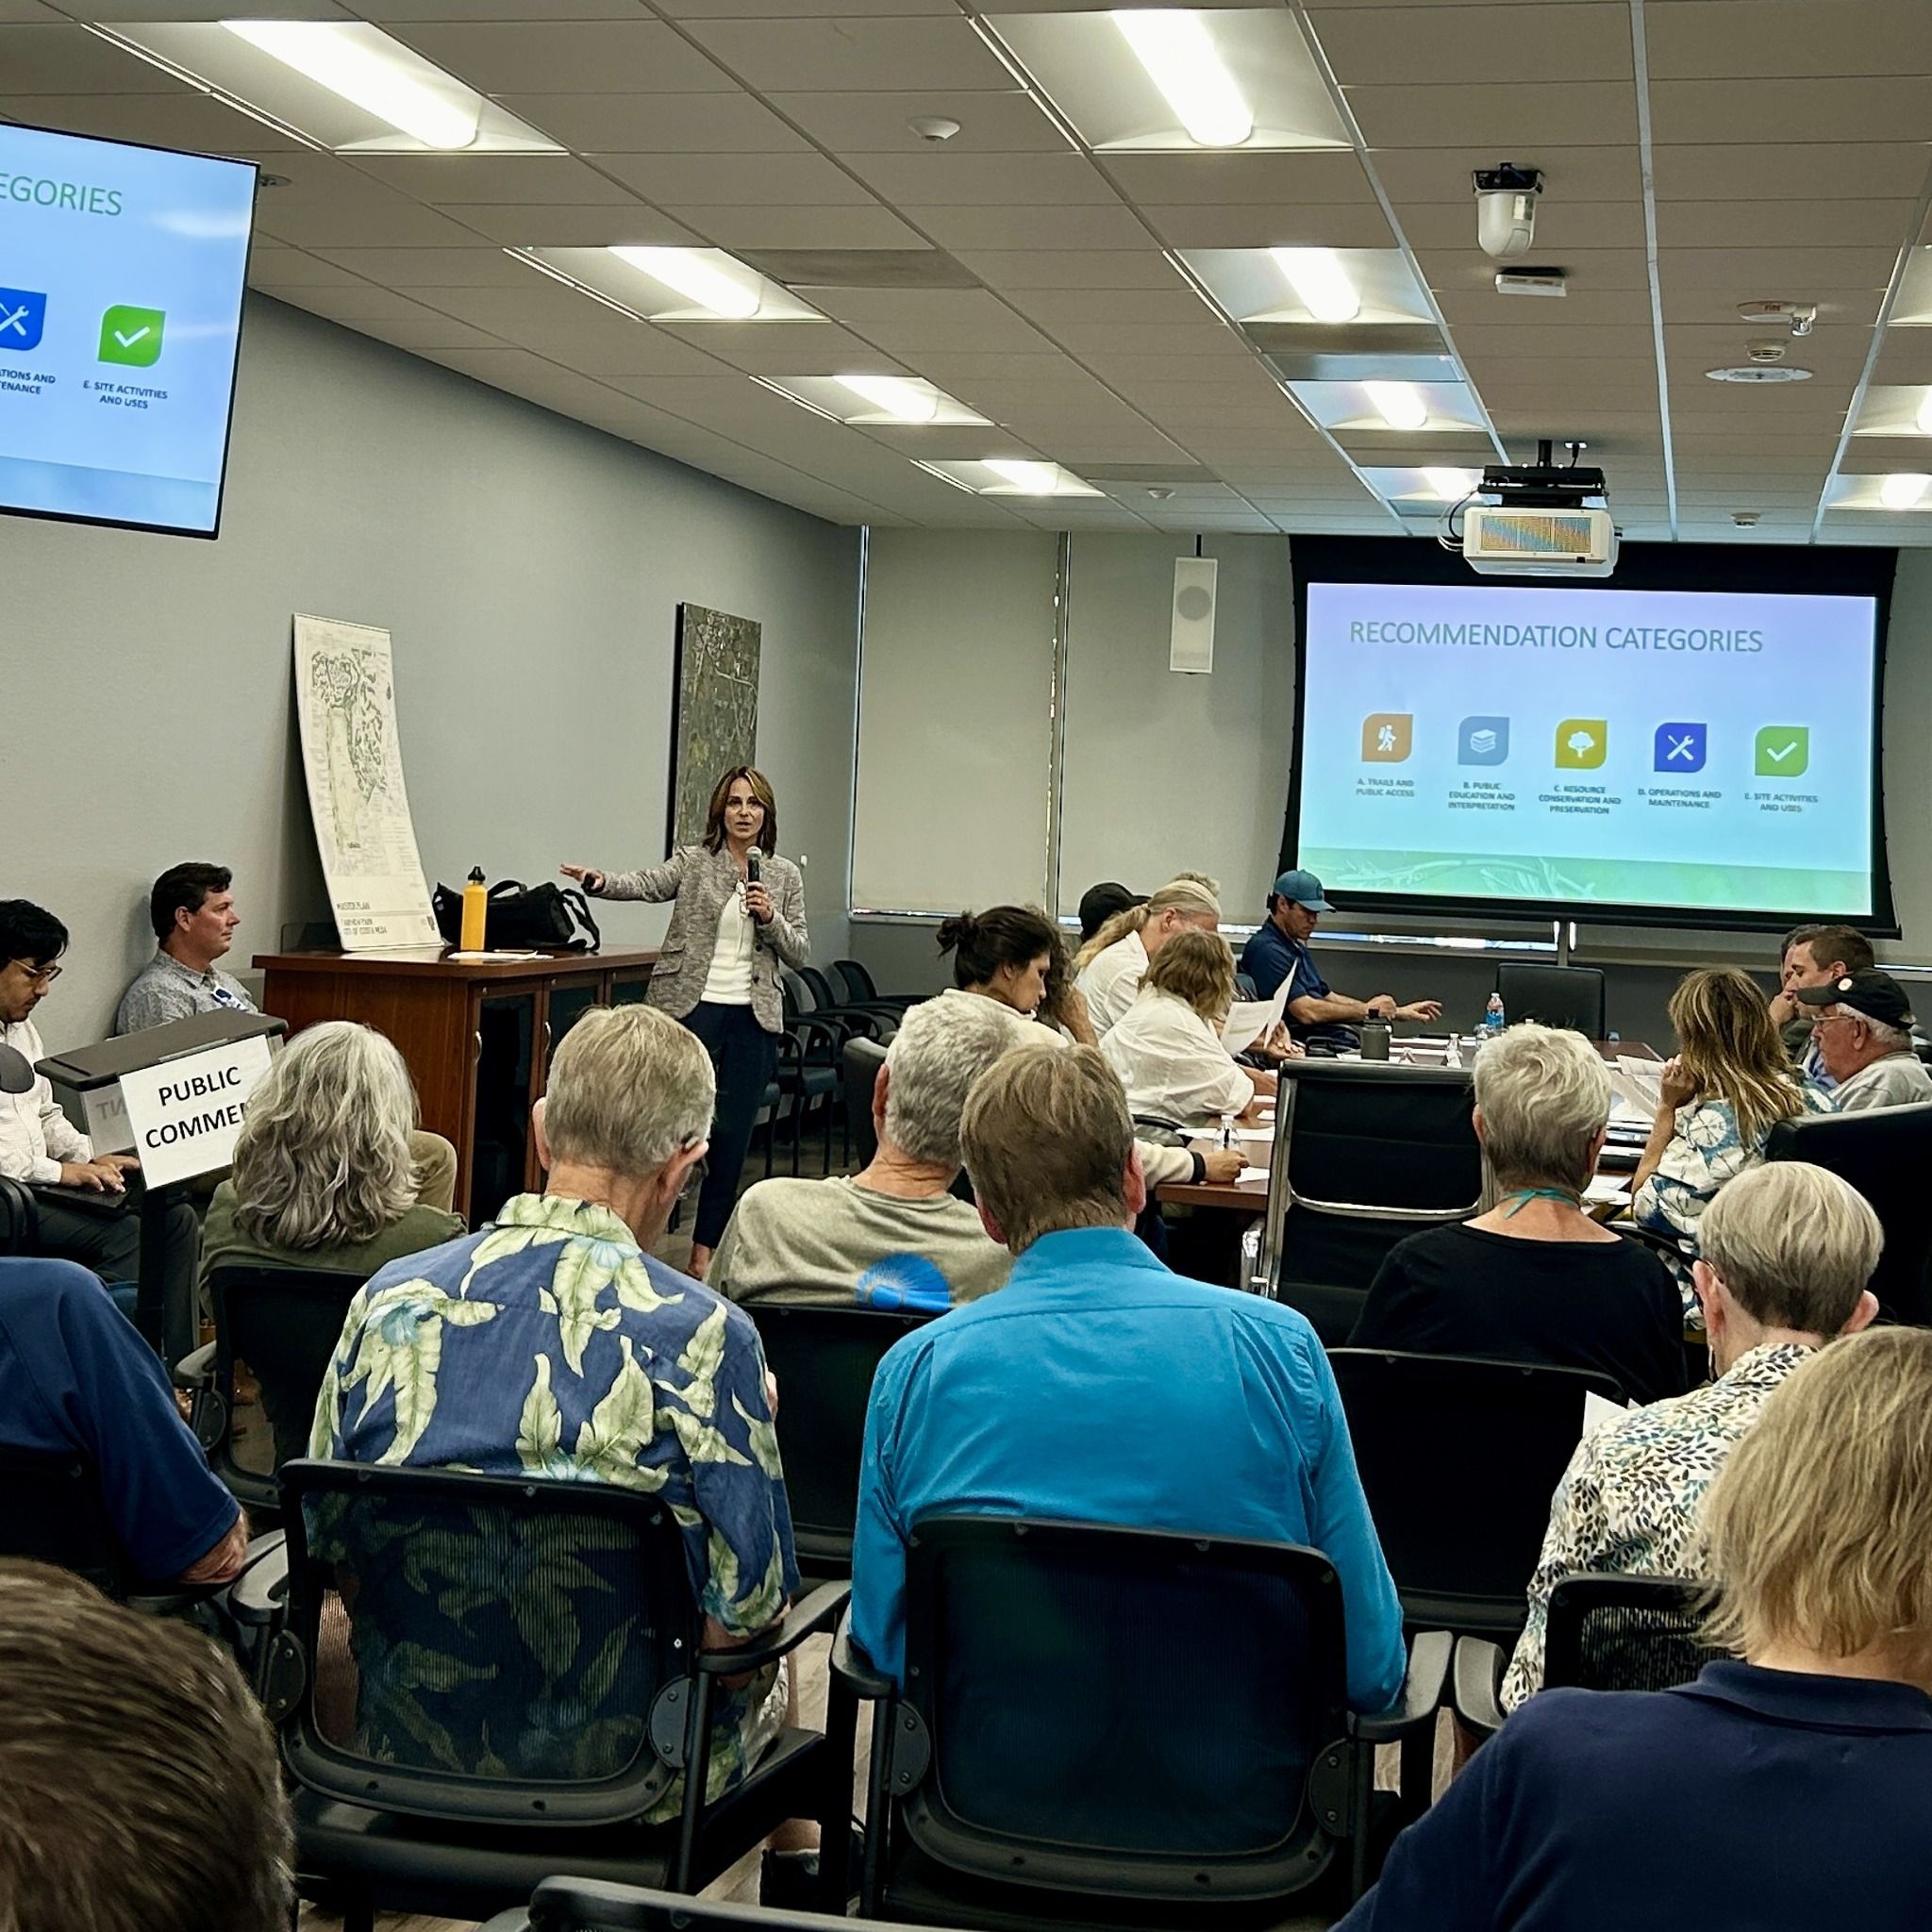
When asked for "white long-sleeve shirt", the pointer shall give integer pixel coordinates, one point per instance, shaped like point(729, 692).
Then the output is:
point(1173, 1063)
point(35, 1136)
point(1111, 979)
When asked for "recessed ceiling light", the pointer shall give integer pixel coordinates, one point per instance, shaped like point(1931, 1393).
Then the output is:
point(1030, 479)
point(1759, 372)
point(1181, 60)
point(1400, 403)
point(704, 277)
point(1319, 278)
point(1925, 414)
point(904, 401)
point(1451, 486)
point(345, 63)
point(1903, 490)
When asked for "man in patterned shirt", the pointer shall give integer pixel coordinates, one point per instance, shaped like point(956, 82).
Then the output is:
point(551, 1345)
point(1785, 1252)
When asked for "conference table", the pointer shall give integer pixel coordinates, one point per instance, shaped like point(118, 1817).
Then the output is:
point(1250, 1197)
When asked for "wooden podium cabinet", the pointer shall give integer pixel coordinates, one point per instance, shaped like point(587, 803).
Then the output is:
point(477, 1037)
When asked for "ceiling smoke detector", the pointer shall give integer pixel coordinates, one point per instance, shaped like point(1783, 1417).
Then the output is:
point(1765, 349)
point(1746, 518)
point(933, 127)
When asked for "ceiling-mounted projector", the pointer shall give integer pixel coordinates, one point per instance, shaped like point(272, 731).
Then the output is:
point(1542, 521)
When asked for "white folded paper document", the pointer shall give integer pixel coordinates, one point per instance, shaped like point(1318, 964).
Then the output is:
point(1251, 1019)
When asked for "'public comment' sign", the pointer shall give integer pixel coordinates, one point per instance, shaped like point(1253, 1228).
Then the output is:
point(187, 1113)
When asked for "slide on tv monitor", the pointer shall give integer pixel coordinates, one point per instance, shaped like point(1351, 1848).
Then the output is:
point(1682, 756)
point(121, 276)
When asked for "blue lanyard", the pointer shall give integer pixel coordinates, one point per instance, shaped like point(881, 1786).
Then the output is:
point(1522, 1196)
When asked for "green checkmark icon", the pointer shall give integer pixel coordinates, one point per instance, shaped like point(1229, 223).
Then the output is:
point(1784, 751)
point(132, 335)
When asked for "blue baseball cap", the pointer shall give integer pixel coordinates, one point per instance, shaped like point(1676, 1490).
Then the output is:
point(1305, 888)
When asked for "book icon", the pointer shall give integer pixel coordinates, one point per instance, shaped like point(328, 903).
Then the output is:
point(1483, 742)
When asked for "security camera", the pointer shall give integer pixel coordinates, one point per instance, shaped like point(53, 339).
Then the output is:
point(933, 127)
point(1506, 208)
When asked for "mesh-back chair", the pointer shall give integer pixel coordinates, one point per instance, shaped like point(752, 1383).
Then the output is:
point(1571, 996)
point(51, 1511)
point(825, 1359)
point(1604, 1633)
point(1105, 1725)
point(1364, 1154)
point(284, 1324)
point(484, 1680)
point(1886, 1153)
point(862, 1061)
point(1458, 1458)
point(583, 1905)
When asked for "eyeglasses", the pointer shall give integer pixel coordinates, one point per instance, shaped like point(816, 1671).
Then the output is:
point(1833, 1019)
point(37, 975)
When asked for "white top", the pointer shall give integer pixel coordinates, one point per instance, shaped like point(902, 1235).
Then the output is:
point(35, 1136)
point(728, 982)
point(1897, 1080)
point(1171, 1062)
point(1110, 980)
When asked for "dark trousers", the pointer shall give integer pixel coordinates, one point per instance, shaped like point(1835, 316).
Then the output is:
point(743, 1056)
point(110, 1245)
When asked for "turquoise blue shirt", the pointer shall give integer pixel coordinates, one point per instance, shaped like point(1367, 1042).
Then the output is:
point(1100, 1387)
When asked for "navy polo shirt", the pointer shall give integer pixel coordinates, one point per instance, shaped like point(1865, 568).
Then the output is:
point(1748, 1800)
point(75, 1375)
point(1270, 957)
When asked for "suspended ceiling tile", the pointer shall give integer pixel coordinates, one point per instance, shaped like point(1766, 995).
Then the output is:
point(1722, 39)
point(1311, 224)
point(543, 56)
point(1875, 223)
point(999, 120)
point(183, 119)
point(396, 224)
point(1413, 176)
point(1883, 108)
point(1844, 171)
point(63, 59)
point(1458, 46)
point(481, 266)
point(1230, 178)
point(451, 180)
point(1497, 115)
point(1029, 227)
point(728, 180)
point(627, 124)
point(627, 224)
point(838, 56)
point(985, 180)
point(1791, 273)
point(759, 226)
point(1086, 268)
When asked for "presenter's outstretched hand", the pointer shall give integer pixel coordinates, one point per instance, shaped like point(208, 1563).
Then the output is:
point(1419, 1009)
point(587, 877)
point(758, 902)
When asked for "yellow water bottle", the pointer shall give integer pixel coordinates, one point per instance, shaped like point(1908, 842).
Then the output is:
point(475, 910)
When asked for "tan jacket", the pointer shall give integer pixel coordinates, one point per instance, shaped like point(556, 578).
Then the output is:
point(699, 881)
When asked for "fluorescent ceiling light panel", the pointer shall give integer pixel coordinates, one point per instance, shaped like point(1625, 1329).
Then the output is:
point(1903, 490)
point(1030, 479)
point(1399, 404)
point(1451, 486)
point(904, 401)
point(1008, 477)
point(1181, 60)
point(1318, 277)
point(1924, 416)
point(707, 278)
point(366, 77)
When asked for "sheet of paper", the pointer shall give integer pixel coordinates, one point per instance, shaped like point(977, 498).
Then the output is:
point(1597, 1410)
point(1610, 1188)
point(1251, 1174)
point(1634, 1083)
point(1251, 1019)
point(345, 703)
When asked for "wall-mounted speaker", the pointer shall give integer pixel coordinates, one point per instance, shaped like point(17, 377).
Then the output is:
point(1190, 644)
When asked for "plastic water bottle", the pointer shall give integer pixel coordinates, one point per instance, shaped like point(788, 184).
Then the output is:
point(1493, 1020)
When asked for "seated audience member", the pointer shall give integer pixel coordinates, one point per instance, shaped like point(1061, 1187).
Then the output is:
point(1064, 1005)
point(1784, 1790)
point(1862, 1024)
point(194, 920)
point(1535, 1279)
point(1113, 962)
point(1813, 956)
point(1728, 1086)
point(1279, 950)
point(42, 1147)
point(891, 1235)
point(1004, 955)
point(1167, 1047)
point(75, 1377)
point(1098, 904)
point(1098, 1387)
point(553, 1344)
point(1788, 1250)
point(139, 1786)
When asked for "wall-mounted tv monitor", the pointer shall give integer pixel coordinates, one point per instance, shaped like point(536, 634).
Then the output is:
point(121, 276)
point(1695, 743)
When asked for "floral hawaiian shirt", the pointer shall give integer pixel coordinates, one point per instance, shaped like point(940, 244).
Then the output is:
point(1627, 1503)
point(549, 1344)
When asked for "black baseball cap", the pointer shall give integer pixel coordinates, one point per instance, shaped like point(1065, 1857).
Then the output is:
point(1098, 904)
point(1872, 995)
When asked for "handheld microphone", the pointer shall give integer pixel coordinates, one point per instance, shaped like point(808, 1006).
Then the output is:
point(751, 866)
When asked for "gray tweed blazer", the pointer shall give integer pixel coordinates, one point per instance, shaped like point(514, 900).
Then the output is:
point(700, 881)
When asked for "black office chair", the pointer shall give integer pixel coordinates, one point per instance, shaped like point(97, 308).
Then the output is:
point(1886, 1153)
point(860, 991)
point(870, 1019)
point(810, 1075)
point(862, 1059)
point(286, 1325)
point(1364, 1154)
point(51, 1511)
point(1118, 1728)
point(1604, 1633)
point(20, 1218)
point(583, 1905)
point(483, 1680)
point(825, 1359)
point(1571, 996)
point(1459, 1458)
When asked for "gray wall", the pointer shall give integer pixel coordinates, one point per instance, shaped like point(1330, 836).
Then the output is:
point(530, 570)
